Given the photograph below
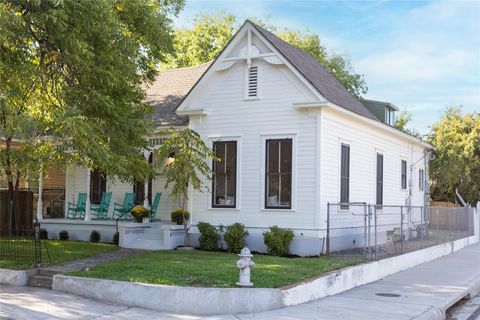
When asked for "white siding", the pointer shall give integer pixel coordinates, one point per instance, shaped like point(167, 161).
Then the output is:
point(229, 115)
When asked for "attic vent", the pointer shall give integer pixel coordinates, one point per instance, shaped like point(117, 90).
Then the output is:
point(252, 83)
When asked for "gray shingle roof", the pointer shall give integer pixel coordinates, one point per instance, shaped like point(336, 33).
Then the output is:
point(168, 90)
point(326, 84)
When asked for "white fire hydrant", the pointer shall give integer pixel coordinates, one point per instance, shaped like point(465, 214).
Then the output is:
point(245, 264)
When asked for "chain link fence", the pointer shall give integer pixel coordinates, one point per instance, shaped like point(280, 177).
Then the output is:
point(377, 232)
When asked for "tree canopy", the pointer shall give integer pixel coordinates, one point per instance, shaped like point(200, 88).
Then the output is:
point(71, 75)
point(402, 121)
point(211, 33)
point(456, 137)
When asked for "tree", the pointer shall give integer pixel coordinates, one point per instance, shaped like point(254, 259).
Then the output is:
point(401, 123)
point(211, 33)
point(71, 75)
point(182, 162)
point(456, 137)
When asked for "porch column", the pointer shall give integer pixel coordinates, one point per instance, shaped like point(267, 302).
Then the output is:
point(87, 204)
point(146, 203)
point(40, 195)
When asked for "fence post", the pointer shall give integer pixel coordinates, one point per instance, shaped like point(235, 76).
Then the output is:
point(328, 229)
point(365, 229)
point(375, 230)
point(37, 243)
point(421, 227)
point(401, 229)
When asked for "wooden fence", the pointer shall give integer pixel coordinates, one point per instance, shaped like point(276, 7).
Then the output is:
point(23, 219)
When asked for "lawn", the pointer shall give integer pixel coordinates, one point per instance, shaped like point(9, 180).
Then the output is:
point(213, 269)
point(60, 251)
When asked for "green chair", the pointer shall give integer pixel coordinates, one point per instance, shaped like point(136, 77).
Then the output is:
point(78, 208)
point(121, 211)
point(101, 212)
point(153, 209)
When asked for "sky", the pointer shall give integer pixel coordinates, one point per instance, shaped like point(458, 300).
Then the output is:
point(421, 56)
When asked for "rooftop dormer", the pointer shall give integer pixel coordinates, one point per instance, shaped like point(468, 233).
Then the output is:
point(384, 111)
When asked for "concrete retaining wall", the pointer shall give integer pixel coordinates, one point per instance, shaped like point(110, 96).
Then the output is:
point(14, 277)
point(227, 301)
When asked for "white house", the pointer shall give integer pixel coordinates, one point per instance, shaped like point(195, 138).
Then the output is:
point(291, 139)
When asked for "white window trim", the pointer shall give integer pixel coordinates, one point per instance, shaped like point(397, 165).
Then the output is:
point(238, 139)
point(264, 138)
point(423, 180)
point(377, 152)
point(402, 157)
point(259, 83)
point(347, 143)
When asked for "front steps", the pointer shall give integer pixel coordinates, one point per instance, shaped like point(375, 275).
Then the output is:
point(42, 278)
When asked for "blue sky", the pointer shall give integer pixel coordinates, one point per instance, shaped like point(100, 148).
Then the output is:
point(420, 55)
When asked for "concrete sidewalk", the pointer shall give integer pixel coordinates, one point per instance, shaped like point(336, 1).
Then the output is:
point(423, 292)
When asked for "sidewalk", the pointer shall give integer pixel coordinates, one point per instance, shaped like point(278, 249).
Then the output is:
point(424, 292)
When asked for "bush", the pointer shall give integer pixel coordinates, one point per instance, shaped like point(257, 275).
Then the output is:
point(63, 235)
point(140, 212)
point(235, 237)
point(209, 236)
point(278, 240)
point(116, 238)
point(43, 234)
point(178, 215)
point(95, 236)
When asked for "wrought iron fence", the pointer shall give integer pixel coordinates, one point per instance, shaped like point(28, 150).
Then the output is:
point(378, 232)
point(21, 245)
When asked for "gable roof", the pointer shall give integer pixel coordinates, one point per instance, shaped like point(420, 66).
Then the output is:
point(326, 84)
point(168, 90)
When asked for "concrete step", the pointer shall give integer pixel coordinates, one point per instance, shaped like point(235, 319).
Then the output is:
point(40, 281)
point(47, 272)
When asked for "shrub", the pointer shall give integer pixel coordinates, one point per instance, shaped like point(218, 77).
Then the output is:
point(43, 234)
point(278, 240)
point(179, 214)
point(140, 212)
point(235, 237)
point(209, 236)
point(63, 235)
point(95, 236)
point(116, 238)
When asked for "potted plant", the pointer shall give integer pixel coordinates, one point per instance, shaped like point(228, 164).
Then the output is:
point(139, 213)
point(182, 162)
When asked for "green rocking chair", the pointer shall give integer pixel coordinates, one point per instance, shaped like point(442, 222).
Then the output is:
point(153, 209)
point(101, 212)
point(78, 208)
point(121, 211)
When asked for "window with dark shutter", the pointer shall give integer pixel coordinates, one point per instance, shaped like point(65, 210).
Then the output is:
point(98, 185)
point(345, 177)
point(224, 175)
point(404, 174)
point(379, 188)
point(252, 83)
point(149, 195)
point(278, 174)
point(421, 179)
point(139, 190)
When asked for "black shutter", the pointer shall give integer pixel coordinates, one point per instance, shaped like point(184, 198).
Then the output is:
point(345, 176)
point(98, 185)
point(404, 174)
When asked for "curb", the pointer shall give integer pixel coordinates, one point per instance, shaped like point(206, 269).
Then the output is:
point(246, 300)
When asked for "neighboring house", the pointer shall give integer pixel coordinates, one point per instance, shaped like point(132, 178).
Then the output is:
point(291, 139)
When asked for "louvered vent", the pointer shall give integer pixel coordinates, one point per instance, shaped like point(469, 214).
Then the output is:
point(252, 82)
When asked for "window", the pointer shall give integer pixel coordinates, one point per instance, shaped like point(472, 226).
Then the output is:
point(224, 174)
point(404, 174)
point(98, 185)
point(278, 174)
point(252, 83)
point(345, 176)
point(139, 190)
point(421, 179)
point(389, 116)
point(379, 179)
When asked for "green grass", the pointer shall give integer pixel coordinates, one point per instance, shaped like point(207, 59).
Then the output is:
point(60, 251)
point(213, 269)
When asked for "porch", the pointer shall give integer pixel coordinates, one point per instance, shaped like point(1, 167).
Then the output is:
point(148, 236)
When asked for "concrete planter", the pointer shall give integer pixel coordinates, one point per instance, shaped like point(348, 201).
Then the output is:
point(210, 301)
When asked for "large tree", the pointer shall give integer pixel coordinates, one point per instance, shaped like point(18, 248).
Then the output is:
point(210, 34)
point(456, 137)
point(402, 121)
point(71, 75)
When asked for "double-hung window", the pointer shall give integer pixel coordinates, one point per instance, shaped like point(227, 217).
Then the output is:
point(345, 177)
point(98, 185)
point(278, 174)
point(404, 174)
point(421, 179)
point(224, 187)
point(379, 181)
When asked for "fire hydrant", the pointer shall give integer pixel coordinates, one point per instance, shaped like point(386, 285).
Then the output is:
point(245, 264)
